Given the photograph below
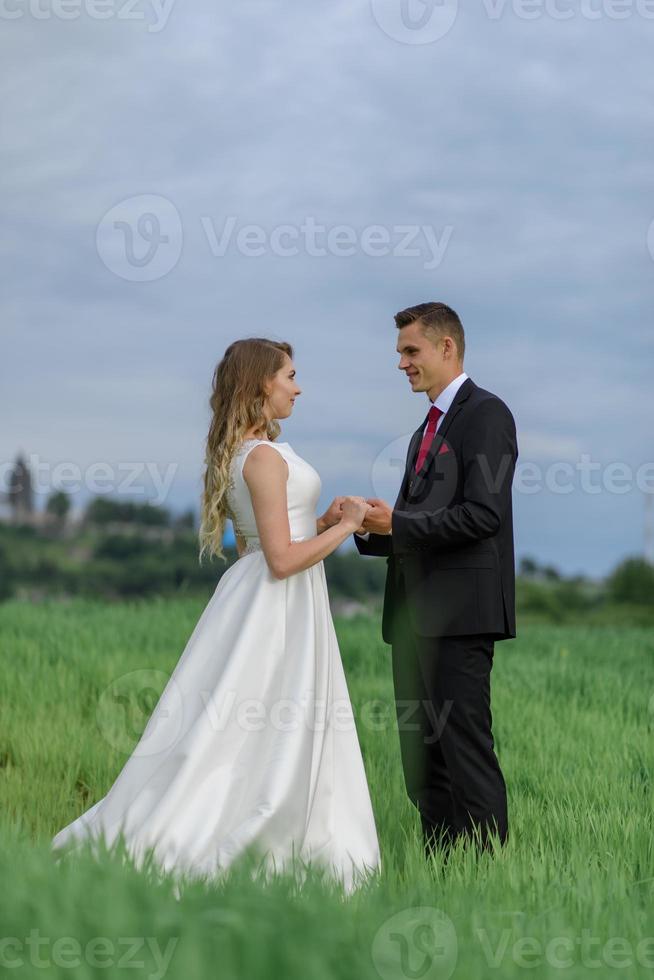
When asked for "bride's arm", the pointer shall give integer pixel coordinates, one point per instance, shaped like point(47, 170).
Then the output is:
point(265, 472)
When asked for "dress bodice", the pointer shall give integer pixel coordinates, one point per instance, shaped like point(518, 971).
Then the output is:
point(302, 489)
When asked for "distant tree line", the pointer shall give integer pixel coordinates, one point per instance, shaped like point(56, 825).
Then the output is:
point(125, 549)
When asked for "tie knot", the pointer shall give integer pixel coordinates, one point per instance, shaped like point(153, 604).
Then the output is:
point(434, 414)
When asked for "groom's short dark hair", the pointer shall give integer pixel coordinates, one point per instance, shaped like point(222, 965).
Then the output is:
point(438, 320)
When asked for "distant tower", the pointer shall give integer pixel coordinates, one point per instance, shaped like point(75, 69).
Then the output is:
point(21, 494)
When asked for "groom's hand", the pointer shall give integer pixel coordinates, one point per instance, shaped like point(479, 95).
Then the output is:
point(378, 519)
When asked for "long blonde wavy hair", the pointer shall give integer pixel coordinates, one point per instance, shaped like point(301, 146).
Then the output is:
point(237, 401)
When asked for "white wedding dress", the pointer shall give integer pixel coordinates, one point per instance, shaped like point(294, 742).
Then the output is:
point(252, 742)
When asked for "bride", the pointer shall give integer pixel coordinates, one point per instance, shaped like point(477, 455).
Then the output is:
point(252, 744)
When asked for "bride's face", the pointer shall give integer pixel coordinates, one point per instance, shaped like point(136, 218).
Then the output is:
point(282, 390)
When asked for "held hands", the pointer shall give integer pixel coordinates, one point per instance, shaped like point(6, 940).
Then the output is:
point(375, 514)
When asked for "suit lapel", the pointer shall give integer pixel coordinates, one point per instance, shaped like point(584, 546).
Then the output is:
point(412, 452)
point(461, 396)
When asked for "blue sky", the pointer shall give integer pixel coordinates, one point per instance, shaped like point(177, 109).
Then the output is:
point(167, 169)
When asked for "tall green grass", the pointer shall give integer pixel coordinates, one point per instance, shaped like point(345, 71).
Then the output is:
point(570, 895)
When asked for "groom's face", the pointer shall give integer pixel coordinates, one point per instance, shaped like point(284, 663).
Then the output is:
point(423, 359)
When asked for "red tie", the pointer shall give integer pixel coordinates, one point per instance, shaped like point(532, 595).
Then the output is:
point(428, 437)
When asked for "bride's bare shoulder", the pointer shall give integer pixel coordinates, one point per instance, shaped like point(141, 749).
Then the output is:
point(262, 463)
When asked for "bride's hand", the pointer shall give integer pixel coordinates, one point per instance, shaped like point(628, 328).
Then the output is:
point(354, 510)
point(333, 513)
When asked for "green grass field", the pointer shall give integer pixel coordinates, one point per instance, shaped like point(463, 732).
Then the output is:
point(571, 895)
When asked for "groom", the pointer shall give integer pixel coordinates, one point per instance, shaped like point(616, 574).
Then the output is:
point(450, 584)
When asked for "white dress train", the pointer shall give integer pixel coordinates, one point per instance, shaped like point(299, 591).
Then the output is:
point(252, 742)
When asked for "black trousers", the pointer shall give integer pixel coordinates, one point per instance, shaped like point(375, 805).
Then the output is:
point(442, 696)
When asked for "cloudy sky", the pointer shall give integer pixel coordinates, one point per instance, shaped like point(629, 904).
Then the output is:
point(180, 175)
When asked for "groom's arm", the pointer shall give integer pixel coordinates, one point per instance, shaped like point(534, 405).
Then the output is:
point(489, 454)
point(375, 545)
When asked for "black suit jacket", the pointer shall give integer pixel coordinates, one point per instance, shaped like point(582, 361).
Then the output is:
point(452, 524)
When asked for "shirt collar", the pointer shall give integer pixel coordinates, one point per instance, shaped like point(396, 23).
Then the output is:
point(446, 397)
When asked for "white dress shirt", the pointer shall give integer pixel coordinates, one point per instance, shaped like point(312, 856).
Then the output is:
point(446, 398)
point(443, 401)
